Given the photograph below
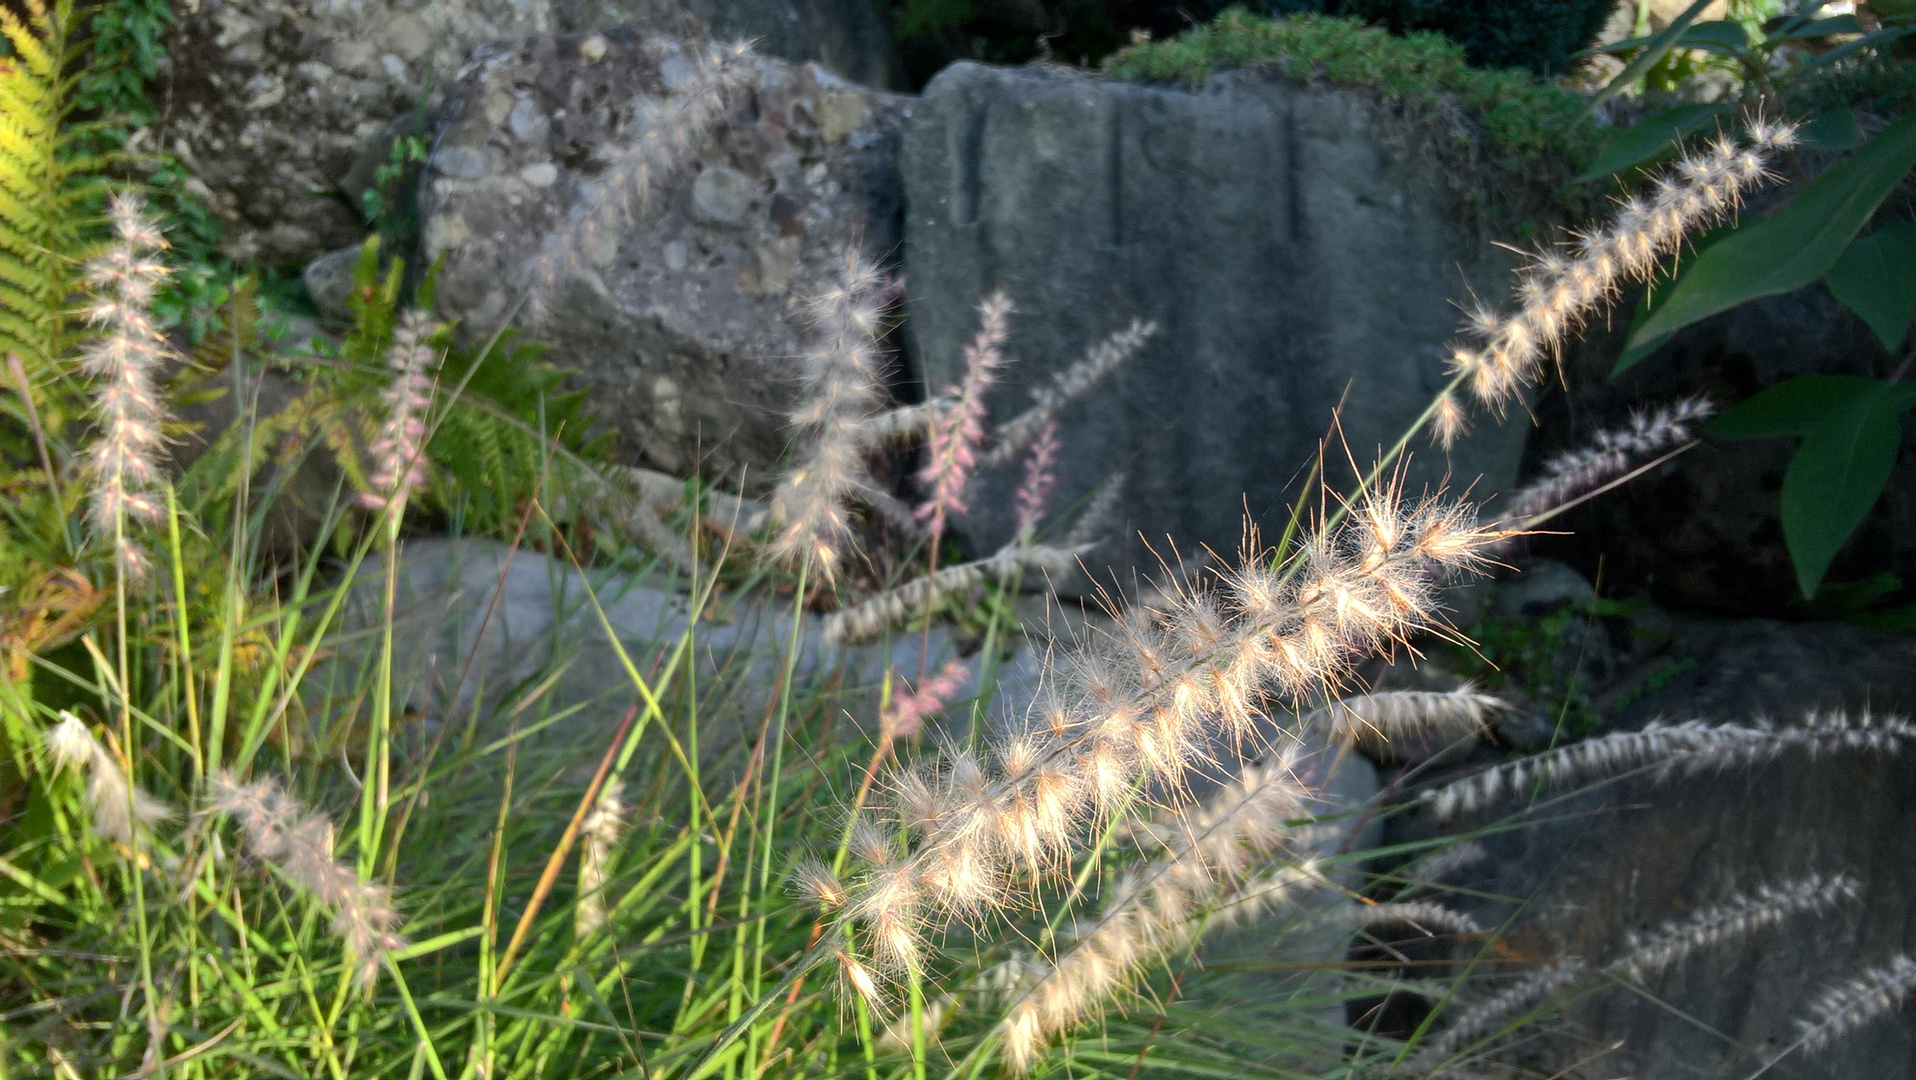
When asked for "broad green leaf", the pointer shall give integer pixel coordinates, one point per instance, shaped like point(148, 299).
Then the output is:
point(1839, 471)
point(1652, 136)
point(1877, 40)
point(1720, 36)
point(1717, 32)
point(1841, 599)
point(1796, 245)
point(1655, 48)
point(1816, 28)
point(1796, 406)
point(1834, 129)
point(1876, 278)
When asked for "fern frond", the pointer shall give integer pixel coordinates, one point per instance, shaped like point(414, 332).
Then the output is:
point(49, 193)
point(29, 38)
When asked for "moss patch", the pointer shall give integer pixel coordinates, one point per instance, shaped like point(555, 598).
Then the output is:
point(1532, 130)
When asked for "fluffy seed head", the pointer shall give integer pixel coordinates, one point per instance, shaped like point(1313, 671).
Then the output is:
point(299, 844)
point(952, 450)
point(399, 450)
point(124, 358)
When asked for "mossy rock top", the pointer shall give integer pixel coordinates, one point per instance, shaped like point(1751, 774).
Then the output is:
point(1516, 113)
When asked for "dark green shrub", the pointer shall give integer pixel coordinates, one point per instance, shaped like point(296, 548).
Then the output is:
point(1536, 34)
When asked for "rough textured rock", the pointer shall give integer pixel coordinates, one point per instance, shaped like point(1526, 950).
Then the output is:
point(1584, 872)
point(329, 281)
point(270, 103)
point(683, 327)
point(1290, 261)
point(1703, 531)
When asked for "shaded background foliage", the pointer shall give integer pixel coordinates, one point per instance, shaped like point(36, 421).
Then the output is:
point(1539, 35)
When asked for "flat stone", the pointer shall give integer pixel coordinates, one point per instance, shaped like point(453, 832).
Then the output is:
point(329, 281)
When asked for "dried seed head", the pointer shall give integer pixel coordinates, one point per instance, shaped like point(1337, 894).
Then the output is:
point(814, 882)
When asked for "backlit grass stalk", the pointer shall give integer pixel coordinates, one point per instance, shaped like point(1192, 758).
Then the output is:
point(124, 358)
point(840, 369)
point(120, 809)
point(1647, 955)
point(1134, 711)
point(1609, 455)
point(1694, 744)
point(920, 595)
point(1854, 1004)
point(1162, 909)
point(298, 843)
point(400, 451)
point(1375, 721)
point(1556, 293)
point(958, 428)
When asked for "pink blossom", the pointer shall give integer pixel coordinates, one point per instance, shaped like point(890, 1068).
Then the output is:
point(960, 427)
point(911, 709)
point(1040, 474)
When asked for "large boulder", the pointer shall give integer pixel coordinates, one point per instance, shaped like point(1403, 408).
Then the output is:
point(1297, 268)
point(683, 320)
point(274, 106)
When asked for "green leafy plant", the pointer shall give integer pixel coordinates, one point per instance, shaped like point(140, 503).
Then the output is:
point(126, 50)
point(1543, 36)
point(1518, 113)
point(1848, 427)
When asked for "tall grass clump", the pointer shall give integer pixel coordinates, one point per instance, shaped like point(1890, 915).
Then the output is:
point(243, 833)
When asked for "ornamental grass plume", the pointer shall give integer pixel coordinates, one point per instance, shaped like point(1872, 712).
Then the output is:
point(1426, 916)
point(958, 425)
point(299, 844)
point(1375, 721)
point(1855, 1004)
point(1040, 474)
point(1015, 435)
point(919, 595)
point(118, 808)
point(1098, 512)
point(910, 709)
point(1559, 289)
point(1647, 955)
point(842, 390)
point(399, 450)
point(604, 826)
point(1023, 430)
point(1200, 883)
point(1608, 457)
point(1650, 954)
point(125, 357)
point(1694, 744)
point(662, 136)
point(1124, 715)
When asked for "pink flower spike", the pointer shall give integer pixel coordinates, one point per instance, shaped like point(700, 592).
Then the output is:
point(960, 427)
point(1040, 474)
point(400, 447)
point(911, 709)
